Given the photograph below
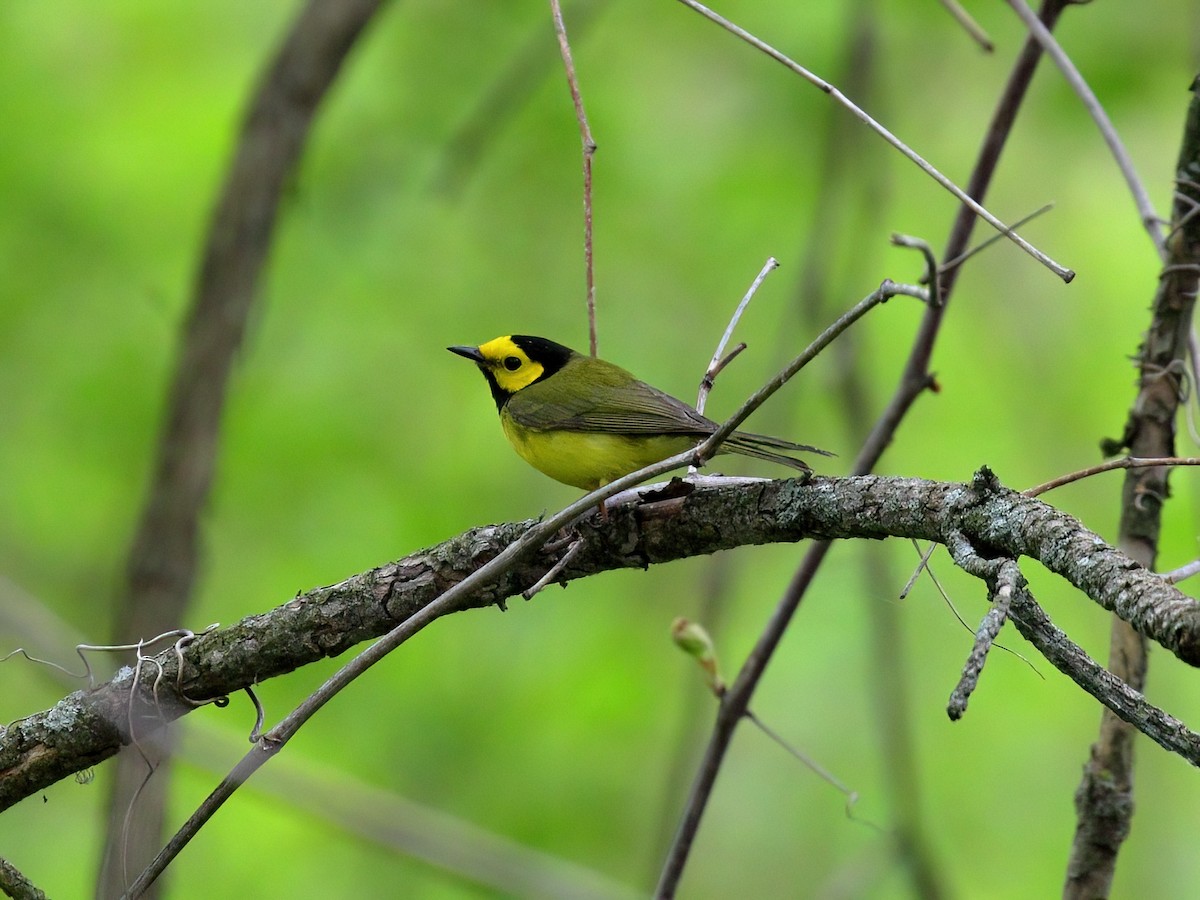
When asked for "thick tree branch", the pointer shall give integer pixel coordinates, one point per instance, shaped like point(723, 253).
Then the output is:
point(89, 726)
point(14, 884)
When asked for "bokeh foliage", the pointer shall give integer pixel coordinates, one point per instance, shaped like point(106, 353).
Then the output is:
point(351, 437)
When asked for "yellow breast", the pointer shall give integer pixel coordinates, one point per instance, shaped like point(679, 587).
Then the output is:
point(588, 459)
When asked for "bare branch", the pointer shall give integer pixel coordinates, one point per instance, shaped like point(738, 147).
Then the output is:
point(719, 359)
point(1004, 578)
point(1126, 462)
point(88, 726)
point(969, 25)
point(14, 884)
point(589, 150)
point(966, 199)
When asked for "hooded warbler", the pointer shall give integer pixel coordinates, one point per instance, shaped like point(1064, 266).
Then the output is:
point(586, 422)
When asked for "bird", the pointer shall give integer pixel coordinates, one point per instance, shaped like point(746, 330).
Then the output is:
point(586, 422)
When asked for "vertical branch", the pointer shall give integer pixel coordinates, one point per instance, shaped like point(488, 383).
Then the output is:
point(163, 559)
point(1104, 799)
point(589, 150)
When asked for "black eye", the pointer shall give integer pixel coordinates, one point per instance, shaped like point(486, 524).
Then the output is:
point(512, 363)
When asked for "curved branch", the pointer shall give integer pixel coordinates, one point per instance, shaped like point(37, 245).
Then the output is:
point(87, 727)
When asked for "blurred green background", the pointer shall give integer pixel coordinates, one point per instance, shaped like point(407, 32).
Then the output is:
point(570, 724)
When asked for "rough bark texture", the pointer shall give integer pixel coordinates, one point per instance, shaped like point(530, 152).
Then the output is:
point(89, 726)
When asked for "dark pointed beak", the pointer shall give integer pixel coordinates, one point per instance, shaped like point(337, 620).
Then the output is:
point(471, 353)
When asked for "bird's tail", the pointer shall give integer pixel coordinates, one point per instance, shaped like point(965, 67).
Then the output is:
point(772, 449)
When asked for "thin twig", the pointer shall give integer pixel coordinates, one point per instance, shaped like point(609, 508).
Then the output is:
point(1182, 573)
point(819, 770)
point(552, 572)
point(589, 150)
point(991, 239)
point(969, 25)
point(930, 277)
point(924, 566)
point(711, 376)
point(881, 294)
point(921, 566)
point(967, 200)
point(1150, 219)
point(1125, 462)
point(719, 362)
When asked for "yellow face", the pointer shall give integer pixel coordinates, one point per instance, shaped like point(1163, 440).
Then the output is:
point(511, 366)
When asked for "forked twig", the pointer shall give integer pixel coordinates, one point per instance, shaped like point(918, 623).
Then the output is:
point(1004, 579)
point(552, 572)
point(885, 291)
point(719, 359)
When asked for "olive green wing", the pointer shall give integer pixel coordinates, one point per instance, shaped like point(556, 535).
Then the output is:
point(595, 396)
